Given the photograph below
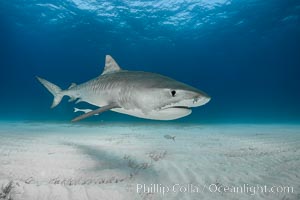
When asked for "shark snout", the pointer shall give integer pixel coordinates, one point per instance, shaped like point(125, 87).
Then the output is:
point(206, 99)
point(201, 100)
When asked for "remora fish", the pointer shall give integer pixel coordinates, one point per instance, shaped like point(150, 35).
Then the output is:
point(140, 94)
point(83, 110)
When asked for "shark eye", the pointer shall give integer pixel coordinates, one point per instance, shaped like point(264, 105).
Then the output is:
point(173, 92)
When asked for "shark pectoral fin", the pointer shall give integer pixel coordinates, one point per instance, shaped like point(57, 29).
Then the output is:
point(97, 111)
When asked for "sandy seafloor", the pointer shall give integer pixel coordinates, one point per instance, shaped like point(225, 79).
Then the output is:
point(56, 161)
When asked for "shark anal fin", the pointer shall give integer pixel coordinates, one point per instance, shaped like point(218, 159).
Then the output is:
point(97, 111)
point(72, 99)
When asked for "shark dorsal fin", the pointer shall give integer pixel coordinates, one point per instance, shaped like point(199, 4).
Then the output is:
point(110, 65)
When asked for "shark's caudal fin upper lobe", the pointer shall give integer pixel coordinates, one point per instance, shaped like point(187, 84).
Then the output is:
point(54, 89)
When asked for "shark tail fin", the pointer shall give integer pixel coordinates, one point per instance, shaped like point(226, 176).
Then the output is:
point(53, 89)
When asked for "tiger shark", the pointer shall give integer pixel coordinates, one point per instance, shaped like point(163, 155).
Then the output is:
point(136, 93)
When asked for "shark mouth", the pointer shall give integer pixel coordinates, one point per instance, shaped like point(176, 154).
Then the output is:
point(177, 107)
point(172, 112)
point(183, 107)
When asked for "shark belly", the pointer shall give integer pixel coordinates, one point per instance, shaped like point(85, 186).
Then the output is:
point(165, 114)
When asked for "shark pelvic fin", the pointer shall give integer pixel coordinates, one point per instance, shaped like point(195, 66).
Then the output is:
point(97, 111)
point(110, 65)
point(78, 101)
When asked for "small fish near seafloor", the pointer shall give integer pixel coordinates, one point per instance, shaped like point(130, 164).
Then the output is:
point(136, 93)
point(169, 137)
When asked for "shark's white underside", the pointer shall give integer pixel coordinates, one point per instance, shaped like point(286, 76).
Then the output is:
point(165, 114)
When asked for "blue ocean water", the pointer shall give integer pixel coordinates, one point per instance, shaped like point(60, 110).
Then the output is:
point(244, 54)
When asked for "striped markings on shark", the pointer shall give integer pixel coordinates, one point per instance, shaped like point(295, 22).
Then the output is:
point(136, 93)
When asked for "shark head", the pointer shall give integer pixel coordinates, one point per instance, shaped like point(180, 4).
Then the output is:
point(162, 98)
point(183, 98)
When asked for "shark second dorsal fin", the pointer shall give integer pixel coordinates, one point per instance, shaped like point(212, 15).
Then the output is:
point(110, 65)
point(72, 85)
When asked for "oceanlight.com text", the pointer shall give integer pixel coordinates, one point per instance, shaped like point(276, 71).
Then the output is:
point(212, 188)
